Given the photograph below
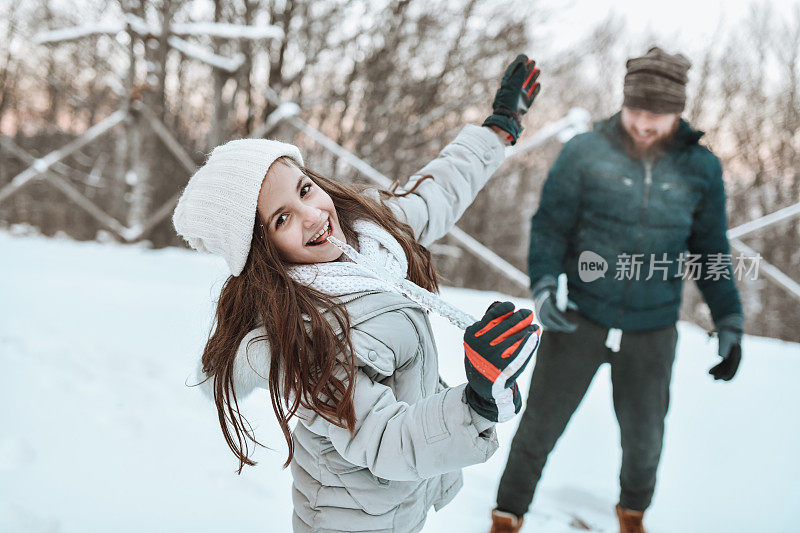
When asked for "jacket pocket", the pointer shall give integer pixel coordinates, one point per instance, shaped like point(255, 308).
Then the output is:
point(673, 204)
point(679, 192)
point(611, 195)
point(374, 495)
point(612, 184)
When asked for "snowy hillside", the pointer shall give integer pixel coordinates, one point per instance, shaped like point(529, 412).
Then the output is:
point(101, 432)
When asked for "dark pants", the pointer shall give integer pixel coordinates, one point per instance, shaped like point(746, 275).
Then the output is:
point(565, 365)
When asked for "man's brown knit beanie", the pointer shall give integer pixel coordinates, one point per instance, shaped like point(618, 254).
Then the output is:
point(656, 82)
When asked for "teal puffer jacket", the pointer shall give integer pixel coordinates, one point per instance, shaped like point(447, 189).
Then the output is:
point(598, 199)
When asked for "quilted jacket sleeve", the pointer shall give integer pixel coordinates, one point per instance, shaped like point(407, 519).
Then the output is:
point(708, 239)
point(557, 215)
point(401, 434)
point(405, 442)
point(460, 170)
point(250, 368)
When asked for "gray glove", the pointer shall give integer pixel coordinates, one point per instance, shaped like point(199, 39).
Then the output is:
point(544, 301)
point(729, 331)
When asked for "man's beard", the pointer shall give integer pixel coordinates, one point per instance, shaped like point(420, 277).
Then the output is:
point(652, 151)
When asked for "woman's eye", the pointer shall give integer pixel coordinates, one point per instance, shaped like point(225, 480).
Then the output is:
point(280, 220)
point(305, 189)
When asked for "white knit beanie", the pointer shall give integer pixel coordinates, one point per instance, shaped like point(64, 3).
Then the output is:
point(217, 209)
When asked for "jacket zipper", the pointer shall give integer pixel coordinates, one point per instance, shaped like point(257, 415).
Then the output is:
point(347, 298)
point(648, 181)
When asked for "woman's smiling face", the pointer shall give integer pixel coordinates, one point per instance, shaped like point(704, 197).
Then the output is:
point(298, 215)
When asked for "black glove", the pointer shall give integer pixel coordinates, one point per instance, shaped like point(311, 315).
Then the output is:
point(544, 302)
point(496, 349)
point(515, 95)
point(729, 332)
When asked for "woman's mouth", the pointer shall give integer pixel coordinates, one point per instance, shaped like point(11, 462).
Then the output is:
point(321, 236)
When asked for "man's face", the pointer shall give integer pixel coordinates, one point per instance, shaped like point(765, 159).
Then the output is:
point(646, 129)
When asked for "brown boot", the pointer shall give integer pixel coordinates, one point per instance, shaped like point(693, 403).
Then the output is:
point(505, 522)
point(630, 521)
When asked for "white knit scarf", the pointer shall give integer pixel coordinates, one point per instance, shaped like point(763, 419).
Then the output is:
point(338, 278)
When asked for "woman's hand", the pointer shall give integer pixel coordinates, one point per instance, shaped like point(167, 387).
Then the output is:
point(496, 350)
point(517, 91)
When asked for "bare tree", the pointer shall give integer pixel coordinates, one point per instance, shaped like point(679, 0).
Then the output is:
point(391, 82)
point(748, 101)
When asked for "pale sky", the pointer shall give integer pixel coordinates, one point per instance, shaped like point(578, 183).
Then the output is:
point(689, 24)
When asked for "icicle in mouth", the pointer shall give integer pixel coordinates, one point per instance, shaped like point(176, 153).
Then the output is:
point(321, 236)
point(410, 290)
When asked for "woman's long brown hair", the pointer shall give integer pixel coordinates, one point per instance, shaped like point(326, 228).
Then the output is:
point(311, 366)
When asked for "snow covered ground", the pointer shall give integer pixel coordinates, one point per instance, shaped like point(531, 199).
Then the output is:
point(101, 432)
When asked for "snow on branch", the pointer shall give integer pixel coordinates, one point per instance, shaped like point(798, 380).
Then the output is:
point(202, 54)
point(140, 26)
point(227, 31)
point(195, 51)
point(77, 32)
point(576, 121)
point(285, 110)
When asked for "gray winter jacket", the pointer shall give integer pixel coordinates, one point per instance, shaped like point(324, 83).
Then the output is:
point(413, 433)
